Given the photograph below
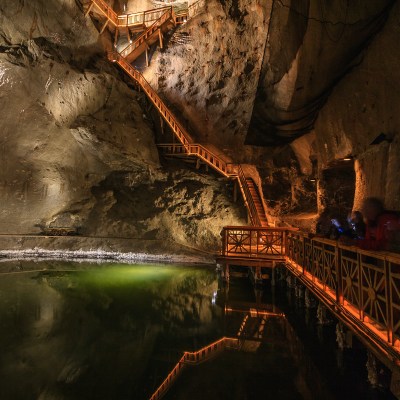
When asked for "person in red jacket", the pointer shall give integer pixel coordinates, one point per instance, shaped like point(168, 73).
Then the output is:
point(379, 221)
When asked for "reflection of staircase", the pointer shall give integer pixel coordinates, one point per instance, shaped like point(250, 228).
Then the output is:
point(193, 358)
point(212, 158)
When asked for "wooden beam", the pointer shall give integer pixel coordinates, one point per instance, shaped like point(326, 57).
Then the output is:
point(116, 37)
point(89, 9)
point(104, 27)
point(147, 56)
point(160, 36)
point(162, 125)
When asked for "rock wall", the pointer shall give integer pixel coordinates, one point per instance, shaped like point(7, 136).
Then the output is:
point(259, 73)
point(76, 147)
point(363, 110)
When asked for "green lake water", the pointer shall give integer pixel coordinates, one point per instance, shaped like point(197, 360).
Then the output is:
point(108, 331)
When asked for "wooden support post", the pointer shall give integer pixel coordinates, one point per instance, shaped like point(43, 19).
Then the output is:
point(147, 57)
point(89, 9)
point(116, 37)
point(162, 125)
point(339, 283)
point(198, 163)
point(235, 191)
point(389, 299)
point(160, 36)
point(104, 27)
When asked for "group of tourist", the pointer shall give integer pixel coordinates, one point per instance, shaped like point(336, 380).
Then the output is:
point(372, 228)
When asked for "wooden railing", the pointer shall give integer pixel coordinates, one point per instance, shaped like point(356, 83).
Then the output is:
point(201, 152)
point(143, 17)
point(363, 286)
point(104, 9)
point(193, 358)
point(195, 8)
point(165, 15)
point(248, 198)
point(253, 242)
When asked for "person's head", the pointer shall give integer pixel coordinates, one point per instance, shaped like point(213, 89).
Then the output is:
point(372, 207)
point(355, 217)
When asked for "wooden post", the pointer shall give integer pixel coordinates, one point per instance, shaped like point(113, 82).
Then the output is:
point(160, 36)
point(104, 27)
point(116, 37)
point(147, 56)
point(339, 283)
point(162, 125)
point(389, 300)
point(89, 9)
point(235, 191)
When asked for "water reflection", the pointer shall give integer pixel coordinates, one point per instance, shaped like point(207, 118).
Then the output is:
point(115, 331)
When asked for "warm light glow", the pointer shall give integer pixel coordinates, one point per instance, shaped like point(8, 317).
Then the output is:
point(347, 159)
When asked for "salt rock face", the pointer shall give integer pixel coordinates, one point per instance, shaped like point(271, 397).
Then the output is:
point(258, 73)
point(72, 131)
point(311, 45)
point(362, 110)
point(209, 72)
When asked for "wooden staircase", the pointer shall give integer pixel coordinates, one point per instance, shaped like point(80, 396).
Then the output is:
point(150, 36)
point(254, 194)
point(186, 145)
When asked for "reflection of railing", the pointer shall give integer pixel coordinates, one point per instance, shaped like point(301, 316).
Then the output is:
point(362, 285)
point(254, 242)
point(193, 358)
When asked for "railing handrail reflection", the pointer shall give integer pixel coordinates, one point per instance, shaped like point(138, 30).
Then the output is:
point(193, 358)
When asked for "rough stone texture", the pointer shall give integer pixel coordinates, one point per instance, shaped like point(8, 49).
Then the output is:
point(77, 149)
point(209, 72)
point(299, 57)
point(362, 106)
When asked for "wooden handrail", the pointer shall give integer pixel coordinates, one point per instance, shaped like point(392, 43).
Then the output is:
point(140, 18)
point(165, 16)
point(248, 198)
point(106, 10)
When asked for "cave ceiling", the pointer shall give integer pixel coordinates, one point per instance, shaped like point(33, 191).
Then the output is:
point(311, 45)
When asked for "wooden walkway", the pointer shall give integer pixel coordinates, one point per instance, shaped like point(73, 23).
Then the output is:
point(361, 288)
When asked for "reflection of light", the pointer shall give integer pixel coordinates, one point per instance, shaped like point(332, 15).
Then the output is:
point(254, 311)
point(214, 298)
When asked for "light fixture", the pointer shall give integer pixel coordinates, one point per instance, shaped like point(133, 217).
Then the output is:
point(312, 180)
point(347, 159)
